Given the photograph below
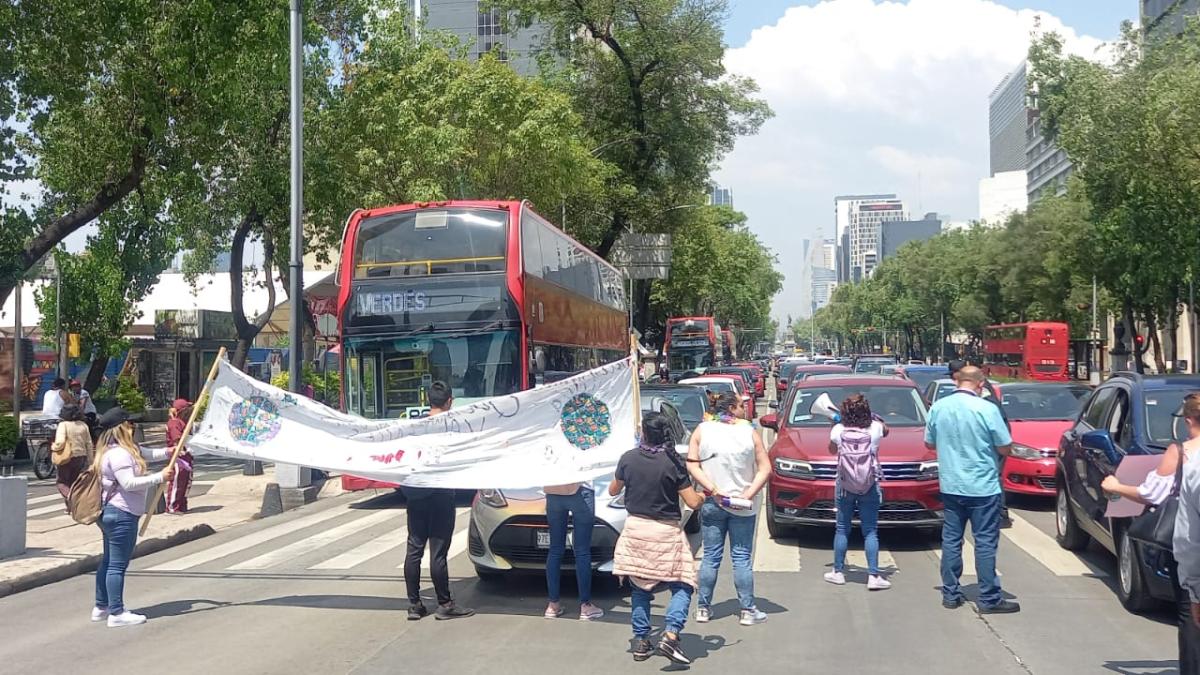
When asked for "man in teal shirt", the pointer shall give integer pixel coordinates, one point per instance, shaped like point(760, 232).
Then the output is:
point(969, 436)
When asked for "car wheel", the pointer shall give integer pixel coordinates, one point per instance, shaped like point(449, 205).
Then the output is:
point(488, 575)
point(776, 529)
point(1068, 533)
point(1131, 588)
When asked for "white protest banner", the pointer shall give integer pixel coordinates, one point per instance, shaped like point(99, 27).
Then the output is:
point(568, 431)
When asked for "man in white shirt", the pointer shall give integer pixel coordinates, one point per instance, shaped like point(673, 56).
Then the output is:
point(53, 400)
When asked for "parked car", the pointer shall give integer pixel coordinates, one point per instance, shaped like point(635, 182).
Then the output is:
point(690, 400)
point(725, 383)
point(923, 375)
point(509, 533)
point(801, 487)
point(1039, 413)
point(760, 377)
point(799, 372)
point(1129, 414)
point(937, 389)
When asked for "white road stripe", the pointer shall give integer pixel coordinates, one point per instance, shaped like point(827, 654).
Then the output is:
point(248, 541)
point(361, 554)
point(458, 544)
point(770, 555)
point(1046, 551)
point(44, 498)
point(858, 558)
point(60, 508)
point(316, 541)
point(968, 554)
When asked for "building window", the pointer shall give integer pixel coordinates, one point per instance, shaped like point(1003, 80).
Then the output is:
point(491, 33)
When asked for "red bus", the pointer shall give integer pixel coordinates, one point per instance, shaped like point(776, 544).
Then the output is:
point(1027, 351)
point(693, 343)
point(486, 296)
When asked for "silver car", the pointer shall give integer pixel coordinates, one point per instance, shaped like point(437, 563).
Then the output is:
point(509, 531)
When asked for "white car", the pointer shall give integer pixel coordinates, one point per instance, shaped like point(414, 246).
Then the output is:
point(509, 531)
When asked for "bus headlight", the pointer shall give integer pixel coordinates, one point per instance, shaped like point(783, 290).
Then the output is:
point(493, 498)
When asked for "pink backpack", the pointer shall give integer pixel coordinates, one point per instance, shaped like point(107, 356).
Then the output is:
point(858, 467)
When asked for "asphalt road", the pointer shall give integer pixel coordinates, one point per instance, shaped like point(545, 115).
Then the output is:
point(319, 590)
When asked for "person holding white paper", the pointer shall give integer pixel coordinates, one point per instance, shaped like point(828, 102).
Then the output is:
point(1186, 544)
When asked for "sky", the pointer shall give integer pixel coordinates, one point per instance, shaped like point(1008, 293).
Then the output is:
point(876, 96)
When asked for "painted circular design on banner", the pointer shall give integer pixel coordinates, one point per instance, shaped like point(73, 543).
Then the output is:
point(254, 421)
point(586, 421)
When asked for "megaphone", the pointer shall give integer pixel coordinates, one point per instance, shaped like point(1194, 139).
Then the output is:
point(824, 407)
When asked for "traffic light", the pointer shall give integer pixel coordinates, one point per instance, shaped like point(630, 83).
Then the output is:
point(1138, 341)
point(73, 349)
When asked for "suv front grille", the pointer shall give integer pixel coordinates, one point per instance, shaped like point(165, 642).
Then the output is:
point(891, 470)
point(889, 512)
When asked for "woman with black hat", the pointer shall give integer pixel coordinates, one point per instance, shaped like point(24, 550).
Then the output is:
point(125, 487)
point(72, 447)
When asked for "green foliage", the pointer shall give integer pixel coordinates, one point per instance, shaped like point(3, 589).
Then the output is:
point(129, 396)
point(10, 433)
point(326, 386)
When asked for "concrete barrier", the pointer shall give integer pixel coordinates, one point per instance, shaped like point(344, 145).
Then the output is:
point(14, 496)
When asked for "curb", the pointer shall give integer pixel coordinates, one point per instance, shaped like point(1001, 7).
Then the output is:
point(89, 563)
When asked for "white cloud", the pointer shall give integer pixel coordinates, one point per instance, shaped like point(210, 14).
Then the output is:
point(873, 96)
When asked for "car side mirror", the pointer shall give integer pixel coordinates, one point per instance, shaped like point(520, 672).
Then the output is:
point(773, 405)
point(770, 421)
point(1100, 442)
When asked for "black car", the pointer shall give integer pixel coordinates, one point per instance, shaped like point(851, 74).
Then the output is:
point(689, 400)
point(1129, 414)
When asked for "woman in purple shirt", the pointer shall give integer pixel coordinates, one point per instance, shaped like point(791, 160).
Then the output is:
point(125, 486)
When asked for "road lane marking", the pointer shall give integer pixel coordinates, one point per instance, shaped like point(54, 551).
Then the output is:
point(44, 499)
point(968, 555)
point(316, 541)
point(858, 558)
point(59, 508)
point(773, 555)
point(248, 541)
point(458, 544)
point(361, 554)
point(1046, 551)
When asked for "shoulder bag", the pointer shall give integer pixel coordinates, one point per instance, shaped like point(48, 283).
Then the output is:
point(1156, 526)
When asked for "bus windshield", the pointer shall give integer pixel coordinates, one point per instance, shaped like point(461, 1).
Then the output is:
point(689, 358)
point(389, 377)
point(431, 241)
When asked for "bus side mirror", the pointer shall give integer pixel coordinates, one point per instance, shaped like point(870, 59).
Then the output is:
point(538, 361)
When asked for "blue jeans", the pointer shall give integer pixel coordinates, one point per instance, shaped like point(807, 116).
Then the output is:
point(677, 609)
point(715, 524)
point(120, 535)
point(581, 508)
point(868, 516)
point(984, 515)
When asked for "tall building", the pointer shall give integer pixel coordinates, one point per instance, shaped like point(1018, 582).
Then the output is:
point(1002, 195)
point(1166, 18)
point(482, 27)
point(720, 196)
point(821, 278)
point(859, 219)
point(1008, 118)
point(894, 234)
point(829, 254)
point(1049, 166)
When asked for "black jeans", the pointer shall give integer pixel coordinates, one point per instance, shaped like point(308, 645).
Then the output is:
point(1189, 633)
point(430, 520)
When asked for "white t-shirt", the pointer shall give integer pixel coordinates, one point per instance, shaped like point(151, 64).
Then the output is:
point(727, 455)
point(52, 402)
point(876, 432)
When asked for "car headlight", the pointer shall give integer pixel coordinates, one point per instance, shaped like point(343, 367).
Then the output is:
point(1025, 452)
point(617, 502)
point(493, 498)
point(928, 471)
point(794, 469)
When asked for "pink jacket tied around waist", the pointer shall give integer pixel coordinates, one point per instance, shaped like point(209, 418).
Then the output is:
point(652, 551)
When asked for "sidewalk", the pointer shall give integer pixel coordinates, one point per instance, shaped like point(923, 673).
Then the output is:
point(64, 552)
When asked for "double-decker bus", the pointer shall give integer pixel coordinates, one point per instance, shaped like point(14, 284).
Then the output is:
point(1027, 351)
point(693, 343)
point(486, 296)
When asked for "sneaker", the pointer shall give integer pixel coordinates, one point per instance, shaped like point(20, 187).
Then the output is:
point(642, 649)
point(752, 616)
point(553, 611)
point(1002, 607)
point(835, 578)
point(452, 611)
point(125, 618)
point(99, 614)
point(703, 615)
point(877, 583)
point(669, 647)
point(415, 612)
point(590, 612)
point(952, 604)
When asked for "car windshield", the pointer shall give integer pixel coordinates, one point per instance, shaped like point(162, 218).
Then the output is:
point(923, 377)
point(898, 406)
point(1043, 401)
point(1162, 427)
point(787, 370)
point(870, 366)
point(689, 403)
point(715, 387)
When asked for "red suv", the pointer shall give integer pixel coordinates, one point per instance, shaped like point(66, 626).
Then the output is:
point(801, 492)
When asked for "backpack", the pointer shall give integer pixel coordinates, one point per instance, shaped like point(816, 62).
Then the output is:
point(858, 466)
point(84, 501)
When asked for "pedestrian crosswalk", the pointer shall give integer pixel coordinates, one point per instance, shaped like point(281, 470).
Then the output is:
point(352, 539)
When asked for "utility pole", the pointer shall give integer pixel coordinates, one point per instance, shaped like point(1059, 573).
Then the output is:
point(942, 347)
point(63, 369)
point(17, 371)
point(417, 18)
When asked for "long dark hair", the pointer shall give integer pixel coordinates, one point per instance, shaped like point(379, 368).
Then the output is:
point(856, 412)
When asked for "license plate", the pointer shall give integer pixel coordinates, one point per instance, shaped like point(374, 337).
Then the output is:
point(543, 539)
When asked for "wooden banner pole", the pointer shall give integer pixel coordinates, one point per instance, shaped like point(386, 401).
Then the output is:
point(196, 405)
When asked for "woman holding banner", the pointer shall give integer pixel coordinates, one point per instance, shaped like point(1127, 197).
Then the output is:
point(653, 548)
point(124, 487)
